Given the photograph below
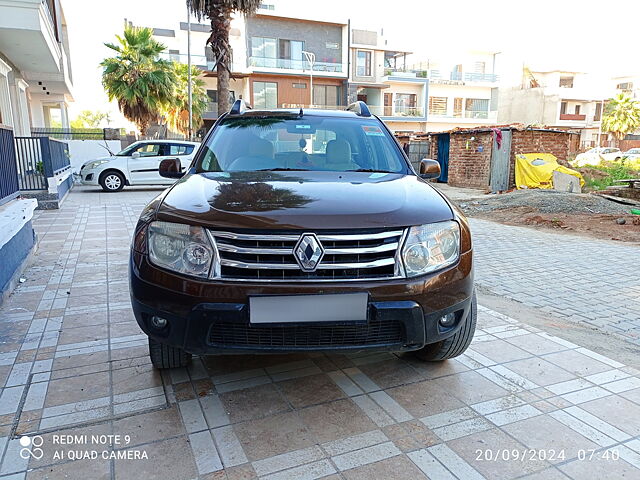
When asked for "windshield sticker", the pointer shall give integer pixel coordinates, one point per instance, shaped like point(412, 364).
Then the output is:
point(372, 130)
point(303, 127)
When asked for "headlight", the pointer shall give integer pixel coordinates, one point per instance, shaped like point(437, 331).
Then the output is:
point(95, 164)
point(181, 248)
point(431, 247)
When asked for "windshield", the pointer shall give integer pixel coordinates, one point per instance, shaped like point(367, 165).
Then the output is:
point(129, 150)
point(634, 150)
point(301, 143)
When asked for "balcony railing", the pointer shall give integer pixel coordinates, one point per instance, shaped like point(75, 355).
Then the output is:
point(573, 116)
point(289, 64)
point(474, 77)
point(407, 73)
point(396, 111)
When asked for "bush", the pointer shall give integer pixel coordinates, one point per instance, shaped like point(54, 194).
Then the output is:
point(599, 177)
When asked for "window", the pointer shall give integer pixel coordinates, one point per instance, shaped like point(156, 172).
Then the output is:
point(476, 108)
point(290, 49)
point(479, 67)
point(363, 63)
point(625, 86)
point(576, 109)
point(299, 85)
point(263, 47)
point(598, 114)
point(438, 105)
point(566, 82)
point(313, 143)
point(326, 95)
point(563, 108)
point(265, 95)
point(179, 149)
point(456, 74)
point(406, 103)
point(457, 107)
point(148, 150)
point(213, 96)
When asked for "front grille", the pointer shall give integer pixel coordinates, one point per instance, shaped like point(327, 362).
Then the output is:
point(365, 255)
point(385, 332)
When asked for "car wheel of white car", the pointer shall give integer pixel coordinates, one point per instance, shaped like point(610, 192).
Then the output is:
point(112, 181)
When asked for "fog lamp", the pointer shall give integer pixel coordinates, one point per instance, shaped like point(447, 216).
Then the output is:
point(448, 320)
point(158, 322)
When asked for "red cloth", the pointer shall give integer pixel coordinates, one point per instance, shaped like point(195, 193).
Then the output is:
point(497, 134)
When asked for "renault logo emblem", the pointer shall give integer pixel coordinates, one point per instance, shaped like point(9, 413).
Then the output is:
point(308, 252)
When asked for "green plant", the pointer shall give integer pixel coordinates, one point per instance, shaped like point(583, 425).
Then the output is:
point(89, 119)
point(40, 167)
point(177, 112)
point(219, 13)
point(610, 173)
point(137, 78)
point(621, 116)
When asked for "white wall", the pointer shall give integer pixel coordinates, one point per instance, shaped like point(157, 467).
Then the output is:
point(83, 150)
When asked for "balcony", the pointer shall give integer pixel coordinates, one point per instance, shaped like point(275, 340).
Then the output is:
point(29, 36)
point(474, 77)
point(573, 116)
point(397, 111)
point(212, 111)
point(405, 73)
point(289, 64)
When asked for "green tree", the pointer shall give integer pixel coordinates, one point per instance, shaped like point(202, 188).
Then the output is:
point(621, 116)
point(219, 13)
point(137, 78)
point(177, 112)
point(89, 119)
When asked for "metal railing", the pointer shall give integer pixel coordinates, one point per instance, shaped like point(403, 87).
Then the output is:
point(289, 64)
point(474, 77)
point(39, 158)
point(406, 72)
point(9, 187)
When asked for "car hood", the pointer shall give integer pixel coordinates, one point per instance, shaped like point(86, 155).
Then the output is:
point(303, 200)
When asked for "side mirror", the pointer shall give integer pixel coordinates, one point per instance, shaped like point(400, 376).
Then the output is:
point(429, 168)
point(135, 155)
point(170, 168)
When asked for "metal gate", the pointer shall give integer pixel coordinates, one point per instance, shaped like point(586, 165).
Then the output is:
point(500, 161)
point(443, 157)
point(418, 151)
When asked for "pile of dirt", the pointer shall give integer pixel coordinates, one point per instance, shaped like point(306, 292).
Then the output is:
point(545, 201)
point(582, 214)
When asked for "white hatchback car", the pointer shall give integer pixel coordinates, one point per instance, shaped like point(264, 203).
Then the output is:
point(596, 156)
point(137, 164)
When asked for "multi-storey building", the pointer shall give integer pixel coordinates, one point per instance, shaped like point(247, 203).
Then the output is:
point(35, 71)
point(379, 77)
point(463, 91)
point(558, 99)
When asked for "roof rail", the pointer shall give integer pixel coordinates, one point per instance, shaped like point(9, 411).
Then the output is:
point(239, 107)
point(360, 108)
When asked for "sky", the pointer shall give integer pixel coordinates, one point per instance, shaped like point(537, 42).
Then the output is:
point(589, 36)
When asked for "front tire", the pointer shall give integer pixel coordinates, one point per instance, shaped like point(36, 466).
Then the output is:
point(111, 181)
point(165, 356)
point(454, 345)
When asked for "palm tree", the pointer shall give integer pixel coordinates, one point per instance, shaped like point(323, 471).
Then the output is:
point(621, 116)
point(219, 13)
point(177, 112)
point(137, 78)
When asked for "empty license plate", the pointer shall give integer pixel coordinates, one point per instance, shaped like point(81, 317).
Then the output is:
point(309, 308)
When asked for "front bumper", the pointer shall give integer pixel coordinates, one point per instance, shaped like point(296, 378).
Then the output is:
point(206, 317)
point(89, 177)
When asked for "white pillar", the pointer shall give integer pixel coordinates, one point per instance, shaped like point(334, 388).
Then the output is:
point(6, 113)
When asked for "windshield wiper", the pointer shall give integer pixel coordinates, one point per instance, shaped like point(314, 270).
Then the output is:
point(373, 170)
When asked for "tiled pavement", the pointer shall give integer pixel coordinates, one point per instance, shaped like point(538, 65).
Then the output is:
point(588, 281)
point(519, 404)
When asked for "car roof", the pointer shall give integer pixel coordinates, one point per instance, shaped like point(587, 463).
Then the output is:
point(311, 112)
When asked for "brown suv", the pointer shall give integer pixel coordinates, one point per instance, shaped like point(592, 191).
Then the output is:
point(302, 231)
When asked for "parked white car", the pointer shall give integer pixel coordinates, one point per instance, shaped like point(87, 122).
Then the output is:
point(137, 164)
point(596, 156)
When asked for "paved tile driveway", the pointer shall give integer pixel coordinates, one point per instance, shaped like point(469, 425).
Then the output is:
point(75, 370)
